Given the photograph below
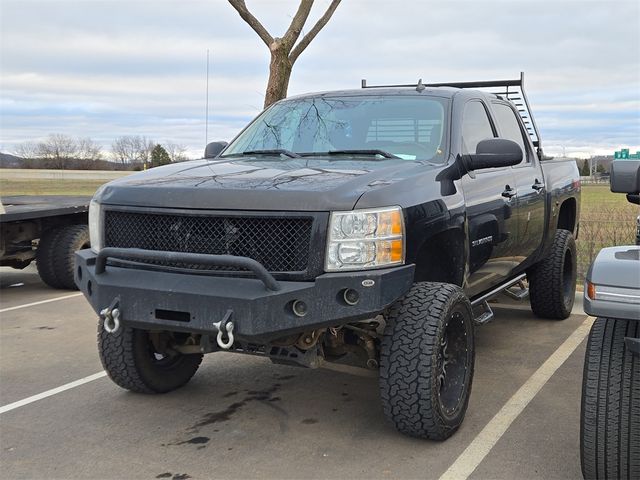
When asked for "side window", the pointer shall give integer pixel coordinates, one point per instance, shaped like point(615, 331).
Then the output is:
point(475, 126)
point(510, 127)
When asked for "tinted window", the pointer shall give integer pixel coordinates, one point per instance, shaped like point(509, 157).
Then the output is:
point(409, 127)
point(475, 126)
point(509, 126)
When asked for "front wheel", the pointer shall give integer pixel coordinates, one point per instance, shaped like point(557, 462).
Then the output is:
point(130, 359)
point(426, 361)
point(610, 416)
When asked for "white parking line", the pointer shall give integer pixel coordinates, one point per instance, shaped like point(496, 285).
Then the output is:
point(53, 391)
point(480, 447)
point(33, 304)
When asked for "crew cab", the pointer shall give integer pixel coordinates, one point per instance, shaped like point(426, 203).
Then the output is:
point(374, 223)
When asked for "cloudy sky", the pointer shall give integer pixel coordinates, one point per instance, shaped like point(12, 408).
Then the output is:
point(104, 69)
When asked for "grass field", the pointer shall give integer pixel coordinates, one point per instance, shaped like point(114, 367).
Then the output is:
point(48, 187)
point(606, 218)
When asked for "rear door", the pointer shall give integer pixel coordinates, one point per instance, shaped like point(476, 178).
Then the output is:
point(489, 197)
point(530, 199)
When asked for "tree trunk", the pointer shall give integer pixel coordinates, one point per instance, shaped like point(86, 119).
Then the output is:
point(279, 74)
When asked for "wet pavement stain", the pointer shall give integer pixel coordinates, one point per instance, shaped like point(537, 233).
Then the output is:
point(309, 421)
point(195, 441)
point(264, 396)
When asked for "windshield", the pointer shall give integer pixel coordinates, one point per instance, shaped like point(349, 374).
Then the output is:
point(406, 127)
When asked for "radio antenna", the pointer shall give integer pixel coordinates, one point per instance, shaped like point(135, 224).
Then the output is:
point(206, 114)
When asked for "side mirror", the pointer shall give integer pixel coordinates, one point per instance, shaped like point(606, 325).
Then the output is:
point(214, 148)
point(493, 153)
point(625, 176)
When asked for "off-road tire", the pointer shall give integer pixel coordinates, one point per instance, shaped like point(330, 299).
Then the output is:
point(55, 254)
point(128, 358)
point(610, 417)
point(410, 355)
point(552, 281)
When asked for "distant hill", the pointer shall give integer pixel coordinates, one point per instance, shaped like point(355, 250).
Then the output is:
point(10, 161)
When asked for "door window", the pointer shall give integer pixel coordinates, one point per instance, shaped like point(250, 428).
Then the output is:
point(510, 127)
point(476, 126)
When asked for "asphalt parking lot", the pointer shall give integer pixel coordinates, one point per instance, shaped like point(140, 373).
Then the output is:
point(243, 417)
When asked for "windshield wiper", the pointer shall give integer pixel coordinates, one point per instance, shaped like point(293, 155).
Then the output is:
point(380, 153)
point(275, 151)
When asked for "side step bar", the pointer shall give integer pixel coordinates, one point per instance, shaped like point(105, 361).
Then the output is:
point(482, 311)
point(520, 294)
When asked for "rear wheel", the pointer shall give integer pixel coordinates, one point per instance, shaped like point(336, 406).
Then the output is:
point(552, 281)
point(610, 417)
point(132, 362)
point(426, 361)
point(55, 254)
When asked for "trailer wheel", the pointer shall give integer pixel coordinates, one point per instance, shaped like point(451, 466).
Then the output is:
point(55, 254)
point(427, 360)
point(552, 281)
point(131, 361)
point(610, 417)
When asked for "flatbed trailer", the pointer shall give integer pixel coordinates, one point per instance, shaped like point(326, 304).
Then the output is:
point(47, 229)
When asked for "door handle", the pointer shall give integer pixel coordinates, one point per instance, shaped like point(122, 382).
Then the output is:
point(538, 186)
point(508, 192)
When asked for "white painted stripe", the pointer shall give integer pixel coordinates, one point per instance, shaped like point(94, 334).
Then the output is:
point(41, 302)
point(53, 391)
point(480, 447)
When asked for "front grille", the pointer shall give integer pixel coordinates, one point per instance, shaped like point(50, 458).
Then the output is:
point(280, 244)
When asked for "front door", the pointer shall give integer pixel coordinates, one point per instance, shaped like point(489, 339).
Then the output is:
point(490, 197)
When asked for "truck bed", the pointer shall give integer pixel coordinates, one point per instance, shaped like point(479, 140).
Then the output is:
point(26, 207)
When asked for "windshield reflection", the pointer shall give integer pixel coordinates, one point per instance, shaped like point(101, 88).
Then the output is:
point(380, 127)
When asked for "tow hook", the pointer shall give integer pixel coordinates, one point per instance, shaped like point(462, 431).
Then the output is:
point(111, 316)
point(225, 328)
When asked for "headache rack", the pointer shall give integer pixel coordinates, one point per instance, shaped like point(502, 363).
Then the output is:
point(512, 90)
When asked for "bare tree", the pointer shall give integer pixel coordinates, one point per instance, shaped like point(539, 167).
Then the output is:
point(177, 152)
point(284, 51)
point(132, 149)
point(57, 150)
point(29, 152)
point(88, 150)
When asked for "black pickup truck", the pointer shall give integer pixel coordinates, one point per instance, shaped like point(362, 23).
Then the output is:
point(371, 223)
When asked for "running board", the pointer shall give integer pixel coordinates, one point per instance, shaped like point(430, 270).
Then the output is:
point(497, 290)
point(520, 294)
point(482, 313)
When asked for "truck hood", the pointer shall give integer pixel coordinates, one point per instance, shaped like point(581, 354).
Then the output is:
point(299, 184)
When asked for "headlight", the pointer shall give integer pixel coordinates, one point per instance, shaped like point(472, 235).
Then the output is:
point(361, 239)
point(95, 226)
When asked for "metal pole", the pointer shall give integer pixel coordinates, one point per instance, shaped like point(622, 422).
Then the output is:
point(206, 119)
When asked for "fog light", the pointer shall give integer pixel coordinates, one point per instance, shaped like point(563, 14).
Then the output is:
point(351, 296)
point(299, 308)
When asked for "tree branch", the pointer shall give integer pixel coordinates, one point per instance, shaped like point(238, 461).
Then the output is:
point(304, 43)
point(253, 22)
point(293, 32)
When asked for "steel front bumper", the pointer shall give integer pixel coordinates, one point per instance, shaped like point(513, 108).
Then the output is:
point(261, 311)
